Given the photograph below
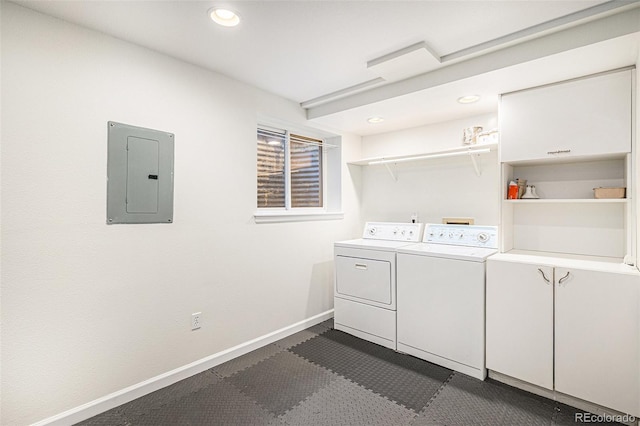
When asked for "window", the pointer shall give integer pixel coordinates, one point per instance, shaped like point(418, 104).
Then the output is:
point(306, 171)
point(299, 173)
point(271, 182)
point(290, 170)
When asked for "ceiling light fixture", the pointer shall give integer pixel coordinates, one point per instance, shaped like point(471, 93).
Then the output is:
point(469, 99)
point(224, 17)
point(375, 120)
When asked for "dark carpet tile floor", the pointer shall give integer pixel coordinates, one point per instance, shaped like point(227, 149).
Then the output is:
point(321, 376)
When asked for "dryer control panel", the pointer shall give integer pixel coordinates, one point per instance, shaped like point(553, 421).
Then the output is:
point(411, 232)
point(461, 235)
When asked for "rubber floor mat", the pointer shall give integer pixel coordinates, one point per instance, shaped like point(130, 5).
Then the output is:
point(218, 404)
point(404, 379)
point(345, 403)
point(465, 401)
point(281, 382)
point(247, 360)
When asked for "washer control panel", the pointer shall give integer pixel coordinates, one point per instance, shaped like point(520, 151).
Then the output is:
point(411, 232)
point(461, 235)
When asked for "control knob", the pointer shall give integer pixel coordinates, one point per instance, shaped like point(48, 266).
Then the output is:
point(483, 237)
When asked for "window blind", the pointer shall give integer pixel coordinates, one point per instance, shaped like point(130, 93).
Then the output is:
point(271, 168)
point(306, 171)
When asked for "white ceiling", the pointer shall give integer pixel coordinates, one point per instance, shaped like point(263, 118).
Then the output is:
point(440, 104)
point(304, 50)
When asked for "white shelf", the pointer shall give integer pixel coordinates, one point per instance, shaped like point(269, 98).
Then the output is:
point(463, 150)
point(568, 200)
point(472, 151)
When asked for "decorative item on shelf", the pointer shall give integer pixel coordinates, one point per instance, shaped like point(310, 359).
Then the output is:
point(533, 190)
point(512, 193)
point(609, 192)
point(522, 185)
point(488, 136)
point(530, 193)
point(470, 135)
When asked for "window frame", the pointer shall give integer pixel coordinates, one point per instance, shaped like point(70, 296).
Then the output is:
point(288, 213)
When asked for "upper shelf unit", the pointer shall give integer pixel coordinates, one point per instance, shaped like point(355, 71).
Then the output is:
point(472, 151)
point(581, 118)
point(566, 139)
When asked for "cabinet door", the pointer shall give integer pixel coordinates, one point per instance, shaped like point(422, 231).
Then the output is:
point(520, 321)
point(590, 116)
point(597, 332)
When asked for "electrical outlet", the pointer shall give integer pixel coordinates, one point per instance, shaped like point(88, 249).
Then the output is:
point(196, 320)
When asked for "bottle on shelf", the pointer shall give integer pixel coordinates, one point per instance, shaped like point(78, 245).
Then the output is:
point(512, 194)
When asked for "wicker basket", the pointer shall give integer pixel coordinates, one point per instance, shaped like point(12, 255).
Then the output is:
point(609, 192)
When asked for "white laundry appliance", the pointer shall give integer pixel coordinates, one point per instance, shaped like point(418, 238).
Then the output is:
point(365, 281)
point(441, 296)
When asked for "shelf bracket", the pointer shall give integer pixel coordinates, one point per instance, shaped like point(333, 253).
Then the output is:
point(394, 175)
point(475, 164)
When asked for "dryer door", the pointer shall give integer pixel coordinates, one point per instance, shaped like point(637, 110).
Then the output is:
point(366, 279)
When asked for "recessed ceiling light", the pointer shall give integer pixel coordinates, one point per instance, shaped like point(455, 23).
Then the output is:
point(375, 120)
point(469, 99)
point(224, 17)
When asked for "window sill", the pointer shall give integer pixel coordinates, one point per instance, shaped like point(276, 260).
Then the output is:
point(289, 216)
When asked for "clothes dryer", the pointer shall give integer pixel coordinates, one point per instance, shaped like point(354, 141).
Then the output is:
point(365, 281)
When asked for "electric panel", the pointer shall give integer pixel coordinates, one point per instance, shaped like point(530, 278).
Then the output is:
point(139, 175)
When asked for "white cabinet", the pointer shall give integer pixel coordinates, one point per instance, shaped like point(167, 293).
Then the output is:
point(597, 357)
point(577, 334)
point(563, 310)
point(584, 117)
point(520, 322)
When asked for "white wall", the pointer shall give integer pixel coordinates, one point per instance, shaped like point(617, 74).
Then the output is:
point(636, 174)
point(89, 309)
point(437, 188)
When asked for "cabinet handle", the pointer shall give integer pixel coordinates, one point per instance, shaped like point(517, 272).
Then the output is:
point(559, 151)
point(544, 277)
point(563, 279)
point(361, 266)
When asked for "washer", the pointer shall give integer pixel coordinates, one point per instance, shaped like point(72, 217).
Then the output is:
point(441, 296)
point(365, 281)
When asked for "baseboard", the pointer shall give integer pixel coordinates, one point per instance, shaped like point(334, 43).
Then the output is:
point(100, 405)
